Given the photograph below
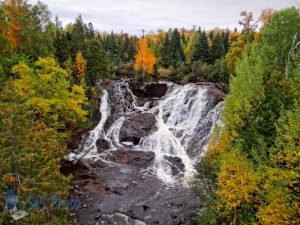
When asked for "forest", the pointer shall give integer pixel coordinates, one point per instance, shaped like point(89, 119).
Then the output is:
point(51, 74)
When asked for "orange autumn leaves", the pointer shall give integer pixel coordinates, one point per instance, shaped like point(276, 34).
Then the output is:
point(13, 11)
point(145, 59)
point(79, 67)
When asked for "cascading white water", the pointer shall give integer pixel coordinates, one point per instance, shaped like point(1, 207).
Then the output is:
point(89, 146)
point(182, 119)
point(181, 113)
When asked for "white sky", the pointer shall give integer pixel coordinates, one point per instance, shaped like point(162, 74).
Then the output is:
point(134, 15)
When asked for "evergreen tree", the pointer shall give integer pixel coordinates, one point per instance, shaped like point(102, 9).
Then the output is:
point(200, 49)
point(165, 52)
point(131, 48)
point(90, 31)
point(61, 45)
point(217, 48)
point(225, 39)
point(97, 62)
point(78, 37)
point(175, 49)
point(112, 48)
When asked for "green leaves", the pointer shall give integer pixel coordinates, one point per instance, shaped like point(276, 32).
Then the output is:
point(258, 174)
point(37, 111)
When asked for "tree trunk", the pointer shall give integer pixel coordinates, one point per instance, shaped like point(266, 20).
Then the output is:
point(234, 216)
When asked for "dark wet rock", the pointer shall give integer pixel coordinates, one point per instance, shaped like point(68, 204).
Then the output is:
point(152, 90)
point(203, 130)
point(131, 139)
point(98, 164)
point(134, 197)
point(217, 91)
point(124, 194)
point(97, 187)
point(119, 218)
point(221, 86)
point(155, 90)
point(102, 145)
point(118, 105)
point(76, 138)
point(137, 126)
point(139, 158)
point(176, 165)
point(217, 94)
point(77, 167)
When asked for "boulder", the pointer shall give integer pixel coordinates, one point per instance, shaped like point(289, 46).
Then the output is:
point(102, 145)
point(151, 90)
point(136, 126)
point(176, 165)
point(155, 90)
point(217, 94)
point(138, 158)
point(97, 186)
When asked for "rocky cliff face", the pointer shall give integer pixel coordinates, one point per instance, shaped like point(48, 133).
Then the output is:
point(132, 167)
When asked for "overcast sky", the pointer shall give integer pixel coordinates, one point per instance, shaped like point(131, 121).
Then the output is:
point(134, 15)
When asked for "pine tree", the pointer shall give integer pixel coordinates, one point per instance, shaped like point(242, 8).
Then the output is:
point(61, 45)
point(200, 49)
point(217, 48)
point(175, 49)
point(97, 63)
point(90, 31)
point(78, 37)
point(225, 39)
point(112, 48)
point(165, 52)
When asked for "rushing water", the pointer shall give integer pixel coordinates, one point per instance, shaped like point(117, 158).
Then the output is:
point(185, 117)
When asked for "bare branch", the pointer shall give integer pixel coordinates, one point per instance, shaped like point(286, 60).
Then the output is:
point(294, 47)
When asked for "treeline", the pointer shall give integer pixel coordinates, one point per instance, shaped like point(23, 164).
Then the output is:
point(121, 51)
point(190, 55)
point(80, 39)
point(251, 171)
point(106, 55)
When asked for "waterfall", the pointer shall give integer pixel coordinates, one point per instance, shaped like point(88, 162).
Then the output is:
point(88, 146)
point(185, 117)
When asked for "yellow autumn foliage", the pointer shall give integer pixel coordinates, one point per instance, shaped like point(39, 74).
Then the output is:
point(144, 60)
point(236, 180)
point(38, 107)
point(235, 50)
point(218, 144)
point(79, 67)
point(278, 209)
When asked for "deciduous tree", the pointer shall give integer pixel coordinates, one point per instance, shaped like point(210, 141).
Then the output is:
point(79, 68)
point(145, 60)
